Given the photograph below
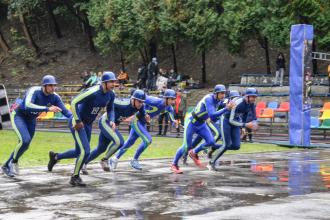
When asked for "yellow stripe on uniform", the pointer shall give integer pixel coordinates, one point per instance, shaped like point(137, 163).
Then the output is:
point(109, 130)
point(214, 129)
point(20, 142)
point(80, 97)
point(81, 156)
point(140, 133)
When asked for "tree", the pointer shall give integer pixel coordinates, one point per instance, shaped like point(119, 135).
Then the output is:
point(52, 17)
point(244, 20)
point(286, 13)
point(3, 44)
point(203, 26)
point(20, 9)
point(172, 16)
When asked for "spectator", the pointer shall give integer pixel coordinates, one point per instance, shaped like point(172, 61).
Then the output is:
point(171, 79)
point(153, 71)
point(142, 77)
point(91, 81)
point(180, 109)
point(163, 120)
point(280, 67)
point(99, 76)
point(123, 77)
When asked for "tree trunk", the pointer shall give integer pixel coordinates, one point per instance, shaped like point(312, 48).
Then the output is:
point(3, 44)
point(144, 60)
point(53, 19)
point(175, 67)
point(122, 60)
point(153, 48)
point(28, 34)
point(146, 55)
point(314, 61)
point(89, 33)
point(203, 67)
point(82, 17)
point(266, 47)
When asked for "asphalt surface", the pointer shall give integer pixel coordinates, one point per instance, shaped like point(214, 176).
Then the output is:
point(277, 185)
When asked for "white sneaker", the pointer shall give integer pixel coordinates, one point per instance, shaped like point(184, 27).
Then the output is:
point(14, 167)
point(113, 164)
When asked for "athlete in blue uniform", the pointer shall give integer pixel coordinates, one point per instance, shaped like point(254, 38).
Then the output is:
point(85, 107)
point(23, 118)
point(196, 123)
point(213, 126)
point(112, 139)
point(153, 106)
point(232, 122)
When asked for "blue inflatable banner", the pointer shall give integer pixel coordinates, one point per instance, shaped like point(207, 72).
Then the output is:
point(300, 84)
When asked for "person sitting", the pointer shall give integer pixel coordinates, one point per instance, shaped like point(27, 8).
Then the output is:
point(123, 77)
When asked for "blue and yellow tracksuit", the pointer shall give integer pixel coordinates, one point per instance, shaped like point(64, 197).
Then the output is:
point(214, 127)
point(154, 106)
point(196, 123)
point(85, 107)
point(23, 118)
point(231, 123)
point(122, 109)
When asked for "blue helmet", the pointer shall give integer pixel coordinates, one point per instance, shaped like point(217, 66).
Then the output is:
point(49, 80)
point(139, 95)
point(219, 88)
point(251, 92)
point(108, 76)
point(234, 94)
point(169, 93)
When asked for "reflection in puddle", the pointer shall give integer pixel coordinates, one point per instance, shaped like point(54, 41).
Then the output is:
point(304, 173)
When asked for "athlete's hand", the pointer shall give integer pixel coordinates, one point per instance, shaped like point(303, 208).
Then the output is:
point(230, 105)
point(113, 125)
point(147, 117)
point(252, 125)
point(78, 126)
point(54, 108)
point(176, 123)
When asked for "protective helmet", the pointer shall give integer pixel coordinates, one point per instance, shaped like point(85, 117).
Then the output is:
point(139, 95)
point(234, 94)
point(169, 93)
point(49, 80)
point(108, 76)
point(251, 92)
point(219, 88)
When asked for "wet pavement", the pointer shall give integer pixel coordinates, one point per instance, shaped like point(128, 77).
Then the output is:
point(277, 185)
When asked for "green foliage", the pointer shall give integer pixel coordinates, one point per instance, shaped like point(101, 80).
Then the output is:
point(19, 49)
point(204, 23)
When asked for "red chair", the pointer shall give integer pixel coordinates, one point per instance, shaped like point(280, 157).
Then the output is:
point(261, 105)
point(258, 112)
point(284, 107)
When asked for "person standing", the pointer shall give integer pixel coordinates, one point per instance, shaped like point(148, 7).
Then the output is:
point(280, 67)
point(153, 71)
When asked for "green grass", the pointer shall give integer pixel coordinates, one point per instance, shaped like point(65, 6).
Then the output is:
point(43, 142)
